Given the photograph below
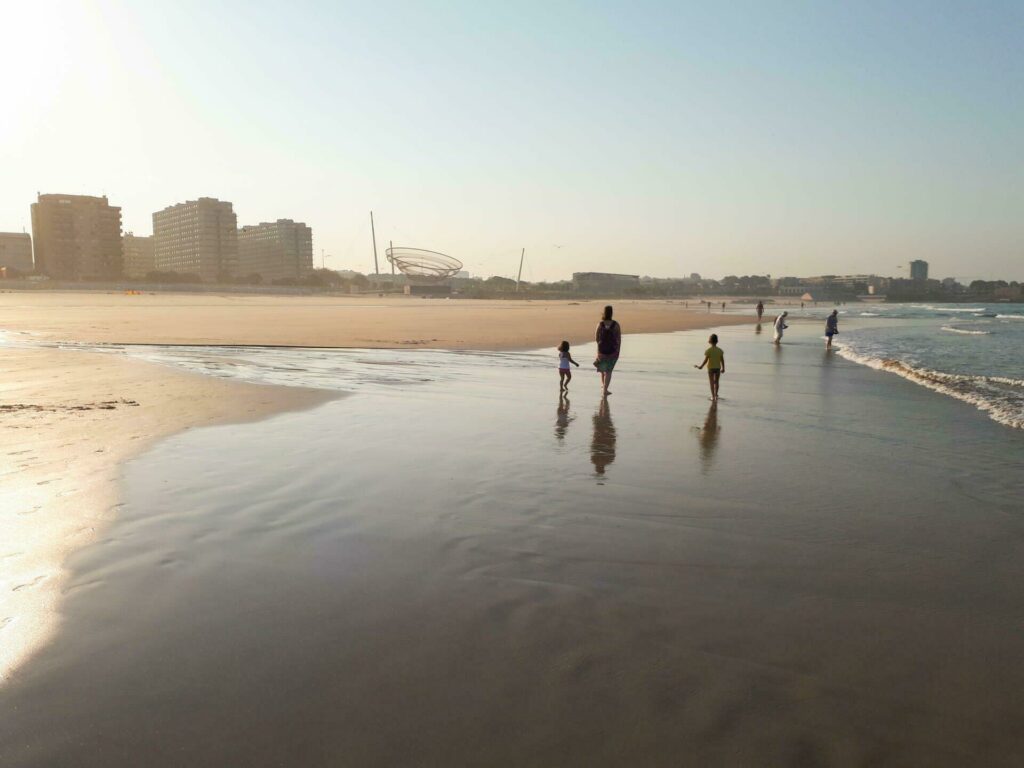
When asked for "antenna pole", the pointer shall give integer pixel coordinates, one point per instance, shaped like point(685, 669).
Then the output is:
point(373, 233)
point(520, 275)
point(391, 251)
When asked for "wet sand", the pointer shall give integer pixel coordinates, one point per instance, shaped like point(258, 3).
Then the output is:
point(332, 321)
point(68, 419)
point(824, 569)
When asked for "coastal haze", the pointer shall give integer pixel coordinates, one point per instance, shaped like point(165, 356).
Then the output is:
point(287, 482)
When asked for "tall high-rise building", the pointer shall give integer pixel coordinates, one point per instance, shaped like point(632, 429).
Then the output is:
point(197, 237)
point(139, 255)
point(77, 237)
point(919, 270)
point(16, 251)
point(275, 250)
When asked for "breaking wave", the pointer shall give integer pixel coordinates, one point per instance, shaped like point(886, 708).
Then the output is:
point(999, 396)
point(964, 331)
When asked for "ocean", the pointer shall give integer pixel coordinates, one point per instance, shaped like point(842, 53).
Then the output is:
point(972, 352)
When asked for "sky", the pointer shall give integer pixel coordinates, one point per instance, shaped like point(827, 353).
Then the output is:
point(782, 138)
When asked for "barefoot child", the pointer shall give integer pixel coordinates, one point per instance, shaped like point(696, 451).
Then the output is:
point(714, 359)
point(564, 371)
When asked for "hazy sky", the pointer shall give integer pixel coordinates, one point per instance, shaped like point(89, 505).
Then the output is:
point(653, 138)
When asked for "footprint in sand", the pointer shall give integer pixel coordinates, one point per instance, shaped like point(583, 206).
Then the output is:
point(28, 584)
point(5, 621)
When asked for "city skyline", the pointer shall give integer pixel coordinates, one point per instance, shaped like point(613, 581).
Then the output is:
point(662, 141)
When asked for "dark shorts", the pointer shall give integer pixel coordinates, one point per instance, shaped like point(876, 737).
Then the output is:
point(714, 371)
point(830, 334)
point(606, 364)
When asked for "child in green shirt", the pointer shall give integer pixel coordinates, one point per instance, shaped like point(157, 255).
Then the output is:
point(714, 359)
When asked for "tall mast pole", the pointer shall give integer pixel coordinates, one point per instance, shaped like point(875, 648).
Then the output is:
point(391, 250)
point(520, 275)
point(373, 233)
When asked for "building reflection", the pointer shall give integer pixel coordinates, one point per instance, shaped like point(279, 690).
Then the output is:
point(602, 448)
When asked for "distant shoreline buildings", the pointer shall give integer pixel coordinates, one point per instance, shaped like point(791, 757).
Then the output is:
point(78, 238)
point(278, 250)
point(197, 237)
point(16, 251)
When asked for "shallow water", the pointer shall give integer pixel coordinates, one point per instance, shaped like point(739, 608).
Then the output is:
point(453, 567)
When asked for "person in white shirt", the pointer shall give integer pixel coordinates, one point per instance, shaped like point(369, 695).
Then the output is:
point(780, 326)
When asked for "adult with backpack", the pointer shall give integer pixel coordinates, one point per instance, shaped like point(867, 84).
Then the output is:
point(609, 341)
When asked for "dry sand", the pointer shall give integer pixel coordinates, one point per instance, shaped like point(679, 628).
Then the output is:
point(68, 419)
point(334, 321)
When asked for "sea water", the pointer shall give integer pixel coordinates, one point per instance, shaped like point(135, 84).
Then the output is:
point(972, 352)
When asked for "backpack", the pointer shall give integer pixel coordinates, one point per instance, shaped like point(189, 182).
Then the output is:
point(607, 338)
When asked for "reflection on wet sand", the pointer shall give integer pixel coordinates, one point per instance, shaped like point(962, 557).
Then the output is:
point(602, 448)
point(757, 328)
point(562, 419)
point(708, 437)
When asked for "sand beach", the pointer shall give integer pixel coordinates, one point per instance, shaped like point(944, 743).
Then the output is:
point(453, 565)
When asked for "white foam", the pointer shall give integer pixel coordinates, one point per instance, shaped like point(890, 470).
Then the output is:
point(965, 331)
point(1010, 317)
point(999, 396)
point(949, 309)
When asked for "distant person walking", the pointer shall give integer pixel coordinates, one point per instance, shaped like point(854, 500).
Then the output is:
point(780, 326)
point(723, 306)
point(714, 359)
point(831, 327)
point(564, 371)
point(609, 342)
point(760, 310)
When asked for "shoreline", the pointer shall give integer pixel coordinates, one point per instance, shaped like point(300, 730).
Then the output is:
point(72, 420)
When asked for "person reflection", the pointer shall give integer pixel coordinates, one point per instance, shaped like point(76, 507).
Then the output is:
point(708, 437)
point(602, 449)
point(562, 417)
point(757, 328)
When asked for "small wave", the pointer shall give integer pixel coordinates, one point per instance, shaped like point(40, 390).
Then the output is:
point(999, 396)
point(965, 331)
point(1010, 317)
point(931, 308)
point(869, 314)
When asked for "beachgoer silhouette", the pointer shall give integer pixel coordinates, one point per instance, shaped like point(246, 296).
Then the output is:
point(609, 343)
point(780, 326)
point(760, 310)
point(831, 328)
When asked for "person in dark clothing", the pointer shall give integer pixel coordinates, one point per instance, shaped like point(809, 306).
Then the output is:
point(831, 328)
point(609, 341)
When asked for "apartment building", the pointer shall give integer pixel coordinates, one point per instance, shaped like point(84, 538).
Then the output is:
point(282, 249)
point(77, 237)
point(197, 237)
point(16, 251)
point(139, 255)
